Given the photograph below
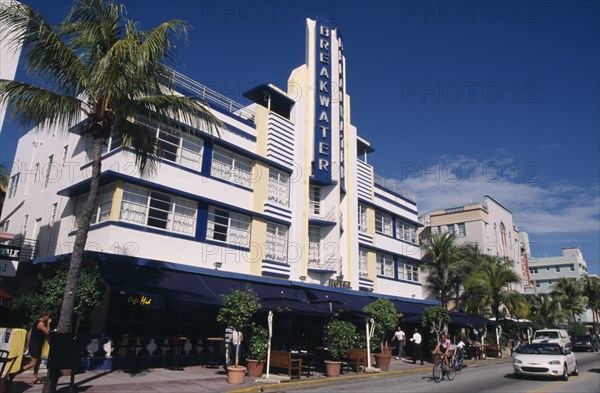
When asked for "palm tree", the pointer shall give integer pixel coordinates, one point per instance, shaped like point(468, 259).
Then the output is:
point(98, 65)
point(569, 293)
point(439, 255)
point(544, 309)
point(489, 289)
point(4, 179)
point(591, 290)
point(470, 258)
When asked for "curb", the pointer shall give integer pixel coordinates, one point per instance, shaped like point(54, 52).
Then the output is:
point(357, 377)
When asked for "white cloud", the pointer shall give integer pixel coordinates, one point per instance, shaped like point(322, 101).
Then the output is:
point(537, 208)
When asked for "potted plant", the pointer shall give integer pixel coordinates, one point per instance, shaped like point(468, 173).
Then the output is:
point(340, 336)
point(237, 310)
point(436, 319)
point(385, 317)
point(258, 345)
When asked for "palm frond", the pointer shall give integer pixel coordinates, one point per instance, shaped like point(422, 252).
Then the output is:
point(35, 106)
point(142, 139)
point(47, 58)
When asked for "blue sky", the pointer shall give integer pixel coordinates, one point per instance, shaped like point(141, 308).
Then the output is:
point(459, 99)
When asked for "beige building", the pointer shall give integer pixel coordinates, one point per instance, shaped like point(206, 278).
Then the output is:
point(488, 224)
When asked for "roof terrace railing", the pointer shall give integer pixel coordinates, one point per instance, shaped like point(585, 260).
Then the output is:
point(390, 186)
point(211, 96)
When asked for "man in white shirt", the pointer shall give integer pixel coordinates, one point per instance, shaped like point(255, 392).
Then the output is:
point(416, 342)
point(400, 338)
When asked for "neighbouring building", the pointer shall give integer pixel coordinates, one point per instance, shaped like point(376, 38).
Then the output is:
point(283, 198)
point(487, 224)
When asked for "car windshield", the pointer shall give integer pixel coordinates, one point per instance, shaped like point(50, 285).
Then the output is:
point(546, 335)
point(534, 349)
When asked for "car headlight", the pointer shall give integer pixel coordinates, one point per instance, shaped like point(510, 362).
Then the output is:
point(517, 361)
point(554, 362)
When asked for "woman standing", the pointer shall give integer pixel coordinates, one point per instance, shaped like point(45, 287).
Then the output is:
point(39, 332)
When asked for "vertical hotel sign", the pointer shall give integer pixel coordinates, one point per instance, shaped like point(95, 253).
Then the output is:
point(322, 170)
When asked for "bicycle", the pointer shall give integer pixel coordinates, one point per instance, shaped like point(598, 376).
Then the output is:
point(439, 369)
point(458, 359)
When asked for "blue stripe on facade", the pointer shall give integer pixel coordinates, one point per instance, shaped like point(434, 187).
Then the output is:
point(282, 264)
point(395, 194)
point(384, 251)
point(273, 274)
point(207, 155)
point(400, 280)
point(394, 214)
point(377, 195)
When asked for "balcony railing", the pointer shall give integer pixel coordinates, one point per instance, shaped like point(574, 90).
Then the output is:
point(211, 96)
point(314, 260)
point(321, 211)
point(391, 186)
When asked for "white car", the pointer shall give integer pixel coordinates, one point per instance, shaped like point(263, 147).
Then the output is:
point(546, 359)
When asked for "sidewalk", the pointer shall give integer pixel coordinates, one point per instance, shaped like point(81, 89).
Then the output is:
point(200, 379)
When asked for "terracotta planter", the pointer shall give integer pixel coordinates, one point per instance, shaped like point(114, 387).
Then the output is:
point(255, 367)
point(236, 374)
point(383, 361)
point(332, 368)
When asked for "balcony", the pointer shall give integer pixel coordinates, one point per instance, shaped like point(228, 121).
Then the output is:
point(322, 213)
point(315, 263)
point(391, 187)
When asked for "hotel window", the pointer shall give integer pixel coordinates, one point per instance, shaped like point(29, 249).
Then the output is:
point(63, 161)
point(314, 245)
point(48, 170)
point(4, 226)
point(279, 187)
point(408, 271)
point(102, 209)
point(363, 262)
point(314, 200)
point(231, 167)
point(462, 229)
point(406, 232)
point(25, 223)
point(383, 223)
point(385, 265)
point(180, 147)
point(277, 241)
point(572, 268)
point(53, 213)
point(13, 185)
point(228, 227)
point(451, 229)
point(362, 217)
point(557, 269)
point(156, 209)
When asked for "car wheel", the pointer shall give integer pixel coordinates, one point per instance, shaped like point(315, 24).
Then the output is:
point(565, 376)
point(576, 371)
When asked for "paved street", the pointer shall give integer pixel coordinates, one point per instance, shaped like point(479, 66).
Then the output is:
point(480, 378)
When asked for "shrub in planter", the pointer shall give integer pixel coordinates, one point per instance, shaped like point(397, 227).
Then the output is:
point(341, 335)
point(237, 310)
point(258, 345)
point(386, 318)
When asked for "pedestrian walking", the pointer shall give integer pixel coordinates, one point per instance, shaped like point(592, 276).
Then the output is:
point(400, 338)
point(37, 335)
point(416, 341)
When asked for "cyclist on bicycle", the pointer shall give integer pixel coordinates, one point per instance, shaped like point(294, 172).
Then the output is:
point(459, 354)
point(443, 348)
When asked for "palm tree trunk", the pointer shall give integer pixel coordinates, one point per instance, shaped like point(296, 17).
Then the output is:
point(65, 324)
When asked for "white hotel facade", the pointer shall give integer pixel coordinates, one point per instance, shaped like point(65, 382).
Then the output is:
point(284, 192)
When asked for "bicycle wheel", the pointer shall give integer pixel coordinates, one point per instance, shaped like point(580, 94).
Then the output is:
point(451, 372)
point(437, 372)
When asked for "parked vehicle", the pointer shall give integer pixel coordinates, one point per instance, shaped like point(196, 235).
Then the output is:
point(546, 359)
point(552, 336)
point(585, 342)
